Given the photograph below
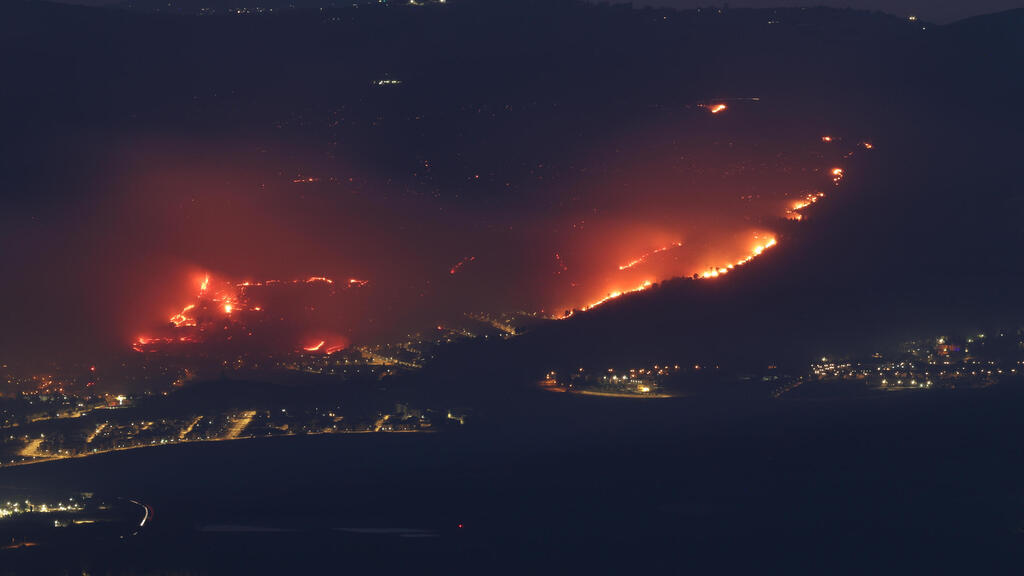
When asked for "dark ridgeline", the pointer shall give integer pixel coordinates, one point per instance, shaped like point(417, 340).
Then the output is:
point(925, 236)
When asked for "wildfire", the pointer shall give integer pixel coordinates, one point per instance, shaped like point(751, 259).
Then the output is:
point(310, 280)
point(613, 295)
point(316, 347)
point(224, 300)
point(754, 253)
point(716, 108)
point(324, 347)
point(643, 258)
point(149, 344)
point(710, 273)
point(794, 211)
point(182, 318)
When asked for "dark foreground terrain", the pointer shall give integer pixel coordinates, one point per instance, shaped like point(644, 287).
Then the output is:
point(919, 482)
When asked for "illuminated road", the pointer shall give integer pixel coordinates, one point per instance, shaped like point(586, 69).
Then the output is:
point(147, 514)
point(374, 359)
point(40, 457)
point(240, 425)
point(504, 327)
point(95, 433)
point(187, 429)
point(622, 394)
point(31, 450)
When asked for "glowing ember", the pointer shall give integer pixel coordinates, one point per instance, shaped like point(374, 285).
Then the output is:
point(310, 280)
point(613, 295)
point(225, 299)
point(710, 273)
point(315, 347)
point(826, 138)
point(643, 258)
point(182, 318)
point(220, 304)
point(794, 211)
point(458, 266)
point(754, 253)
point(150, 344)
point(561, 264)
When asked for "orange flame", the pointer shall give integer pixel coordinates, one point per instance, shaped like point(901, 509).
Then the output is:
point(228, 299)
point(794, 212)
point(643, 258)
point(754, 253)
point(315, 347)
point(613, 295)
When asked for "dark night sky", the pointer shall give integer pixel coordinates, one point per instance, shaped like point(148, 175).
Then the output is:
point(940, 11)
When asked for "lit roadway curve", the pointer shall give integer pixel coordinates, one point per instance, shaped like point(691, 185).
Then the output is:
point(147, 514)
